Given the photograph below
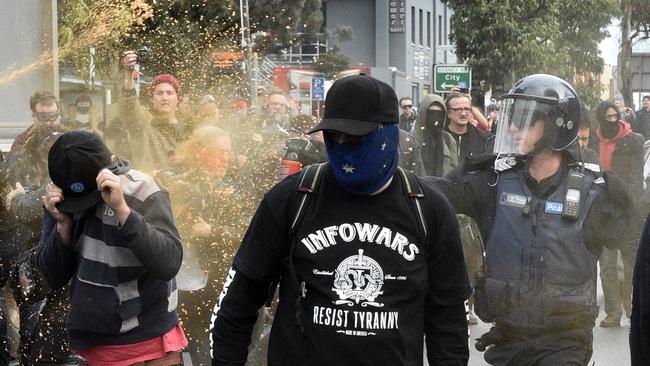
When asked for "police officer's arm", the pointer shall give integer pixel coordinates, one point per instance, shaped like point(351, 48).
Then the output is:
point(445, 320)
point(469, 187)
point(256, 264)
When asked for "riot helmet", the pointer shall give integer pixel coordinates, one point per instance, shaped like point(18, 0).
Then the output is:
point(539, 112)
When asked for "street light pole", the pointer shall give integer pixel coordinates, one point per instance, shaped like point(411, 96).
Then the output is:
point(246, 47)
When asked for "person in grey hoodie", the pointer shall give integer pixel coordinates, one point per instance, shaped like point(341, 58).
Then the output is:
point(438, 148)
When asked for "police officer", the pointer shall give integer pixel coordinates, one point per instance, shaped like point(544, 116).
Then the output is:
point(545, 216)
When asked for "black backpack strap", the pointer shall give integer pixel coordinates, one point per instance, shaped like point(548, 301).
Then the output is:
point(414, 191)
point(307, 184)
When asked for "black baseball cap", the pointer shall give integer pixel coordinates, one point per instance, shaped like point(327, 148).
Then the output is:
point(74, 161)
point(357, 104)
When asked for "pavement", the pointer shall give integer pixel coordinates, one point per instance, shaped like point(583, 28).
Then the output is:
point(611, 347)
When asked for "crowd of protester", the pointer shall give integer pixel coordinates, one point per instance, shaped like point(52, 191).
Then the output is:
point(217, 163)
point(216, 167)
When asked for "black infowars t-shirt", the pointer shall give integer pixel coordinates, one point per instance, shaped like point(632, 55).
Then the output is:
point(369, 277)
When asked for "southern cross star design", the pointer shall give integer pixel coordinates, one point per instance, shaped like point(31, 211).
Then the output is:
point(348, 168)
point(383, 146)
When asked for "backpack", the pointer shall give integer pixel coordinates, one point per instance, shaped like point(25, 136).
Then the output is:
point(310, 178)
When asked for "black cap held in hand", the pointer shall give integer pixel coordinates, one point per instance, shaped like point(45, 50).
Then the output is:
point(357, 104)
point(74, 161)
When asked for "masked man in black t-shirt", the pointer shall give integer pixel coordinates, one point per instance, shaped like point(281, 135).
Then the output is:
point(368, 258)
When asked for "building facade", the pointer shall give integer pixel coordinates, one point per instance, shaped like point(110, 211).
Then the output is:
point(399, 40)
point(29, 35)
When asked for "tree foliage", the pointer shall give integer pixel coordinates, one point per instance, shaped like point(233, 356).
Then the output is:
point(635, 26)
point(101, 24)
point(183, 34)
point(332, 62)
point(506, 40)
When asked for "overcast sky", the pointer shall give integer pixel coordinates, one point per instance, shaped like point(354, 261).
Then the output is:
point(609, 46)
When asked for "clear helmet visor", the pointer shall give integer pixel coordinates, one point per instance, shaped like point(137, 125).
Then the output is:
point(520, 126)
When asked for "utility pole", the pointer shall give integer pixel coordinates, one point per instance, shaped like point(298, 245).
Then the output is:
point(246, 48)
point(625, 77)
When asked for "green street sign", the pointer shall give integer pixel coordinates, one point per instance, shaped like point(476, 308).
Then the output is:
point(446, 76)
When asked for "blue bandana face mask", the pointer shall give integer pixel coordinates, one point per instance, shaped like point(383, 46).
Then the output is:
point(364, 166)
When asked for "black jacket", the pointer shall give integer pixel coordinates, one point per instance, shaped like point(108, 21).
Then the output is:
point(410, 156)
point(473, 142)
point(122, 277)
point(642, 123)
point(627, 161)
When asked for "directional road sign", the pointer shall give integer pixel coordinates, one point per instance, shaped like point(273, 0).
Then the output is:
point(446, 76)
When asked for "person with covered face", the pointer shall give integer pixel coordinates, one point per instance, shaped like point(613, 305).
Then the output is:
point(437, 146)
point(545, 216)
point(109, 231)
point(620, 150)
point(369, 264)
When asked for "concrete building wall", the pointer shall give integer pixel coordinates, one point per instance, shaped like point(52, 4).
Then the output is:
point(404, 59)
point(444, 51)
point(27, 32)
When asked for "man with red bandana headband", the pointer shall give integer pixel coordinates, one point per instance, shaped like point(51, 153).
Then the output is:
point(362, 278)
point(152, 134)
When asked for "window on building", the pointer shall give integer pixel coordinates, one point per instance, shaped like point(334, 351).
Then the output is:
point(415, 92)
point(440, 29)
point(421, 24)
point(445, 27)
point(413, 24)
point(426, 90)
point(428, 29)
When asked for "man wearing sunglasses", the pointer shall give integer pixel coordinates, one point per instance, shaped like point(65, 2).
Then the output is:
point(407, 114)
point(45, 109)
point(545, 217)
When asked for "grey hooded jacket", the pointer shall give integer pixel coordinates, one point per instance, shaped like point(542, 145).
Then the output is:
point(438, 147)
